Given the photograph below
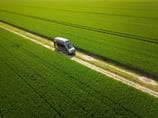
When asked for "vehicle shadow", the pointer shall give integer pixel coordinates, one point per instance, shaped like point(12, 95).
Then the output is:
point(63, 53)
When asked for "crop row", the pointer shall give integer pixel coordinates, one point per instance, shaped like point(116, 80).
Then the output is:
point(64, 86)
point(131, 22)
point(135, 54)
point(147, 39)
point(34, 76)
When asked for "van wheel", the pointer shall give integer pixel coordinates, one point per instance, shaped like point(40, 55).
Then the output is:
point(67, 53)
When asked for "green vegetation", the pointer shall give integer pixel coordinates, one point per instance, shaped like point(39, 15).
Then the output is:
point(122, 31)
point(36, 82)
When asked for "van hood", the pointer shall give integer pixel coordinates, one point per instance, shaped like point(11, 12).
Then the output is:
point(72, 50)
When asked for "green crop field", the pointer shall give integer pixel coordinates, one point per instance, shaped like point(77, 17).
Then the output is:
point(36, 82)
point(118, 30)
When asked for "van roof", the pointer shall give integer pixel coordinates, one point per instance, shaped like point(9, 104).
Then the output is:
point(60, 38)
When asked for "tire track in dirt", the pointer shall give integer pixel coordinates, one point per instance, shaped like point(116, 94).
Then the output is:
point(36, 36)
point(93, 67)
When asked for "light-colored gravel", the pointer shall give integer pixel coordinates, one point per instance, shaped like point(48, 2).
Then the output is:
point(142, 78)
point(84, 57)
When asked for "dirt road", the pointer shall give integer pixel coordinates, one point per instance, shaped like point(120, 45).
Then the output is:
point(105, 68)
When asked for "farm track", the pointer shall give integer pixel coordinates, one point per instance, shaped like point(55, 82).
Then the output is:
point(94, 67)
point(125, 35)
point(89, 53)
point(90, 89)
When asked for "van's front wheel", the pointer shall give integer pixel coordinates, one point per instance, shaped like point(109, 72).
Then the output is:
point(67, 53)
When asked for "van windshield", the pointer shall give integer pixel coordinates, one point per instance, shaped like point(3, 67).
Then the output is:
point(69, 45)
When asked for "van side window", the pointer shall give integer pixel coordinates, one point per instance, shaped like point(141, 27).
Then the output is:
point(60, 45)
point(67, 42)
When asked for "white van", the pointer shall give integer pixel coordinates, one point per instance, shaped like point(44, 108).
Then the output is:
point(65, 45)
